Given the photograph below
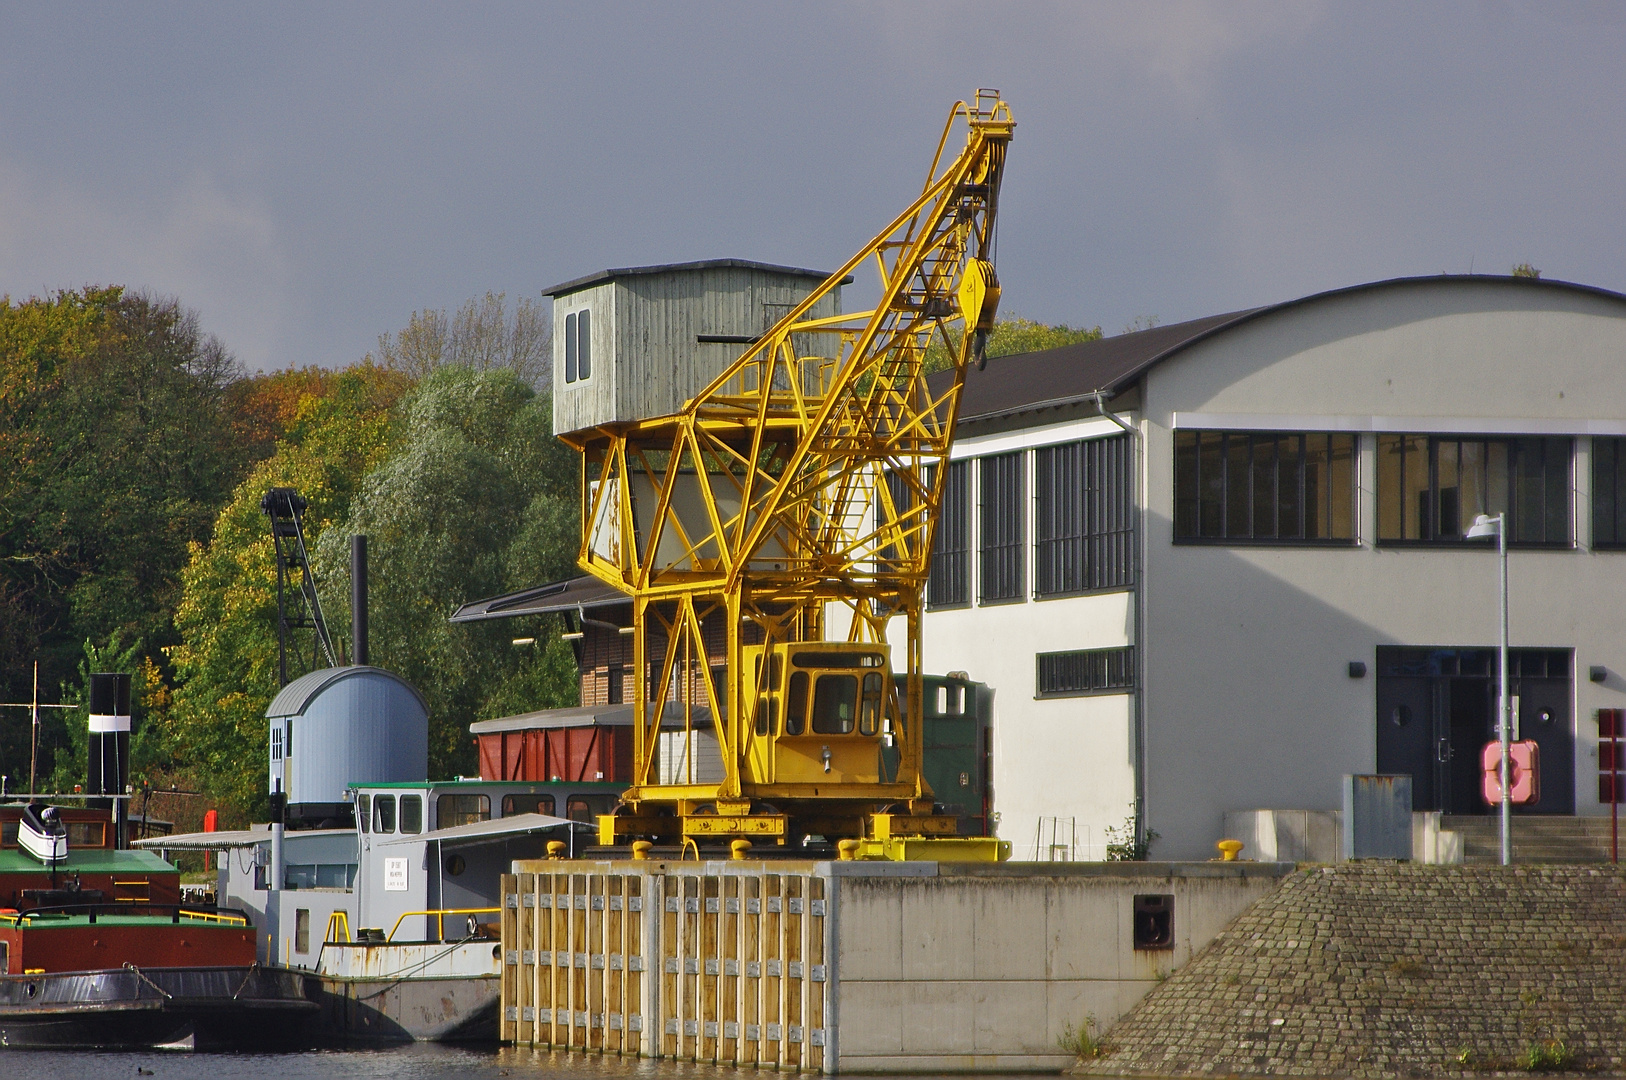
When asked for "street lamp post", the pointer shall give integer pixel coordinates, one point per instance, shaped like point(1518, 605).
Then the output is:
point(1484, 525)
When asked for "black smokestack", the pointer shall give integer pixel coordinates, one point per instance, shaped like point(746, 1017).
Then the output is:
point(358, 599)
point(109, 766)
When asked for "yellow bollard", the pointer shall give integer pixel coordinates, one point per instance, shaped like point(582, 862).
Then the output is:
point(739, 849)
point(848, 850)
point(1228, 849)
point(556, 849)
point(641, 849)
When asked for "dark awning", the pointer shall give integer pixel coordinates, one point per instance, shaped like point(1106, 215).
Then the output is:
point(583, 592)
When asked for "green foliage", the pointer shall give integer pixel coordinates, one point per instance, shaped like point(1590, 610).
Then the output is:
point(477, 499)
point(1086, 1041)
point(112, 406)
point(1524, 269)
point(1546, 1055)
point(1123, 845)
point(1010, 337)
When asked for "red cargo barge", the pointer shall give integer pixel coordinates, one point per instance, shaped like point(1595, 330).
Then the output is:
point(97, 950)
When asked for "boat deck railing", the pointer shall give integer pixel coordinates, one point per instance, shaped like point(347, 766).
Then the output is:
point(123, 909)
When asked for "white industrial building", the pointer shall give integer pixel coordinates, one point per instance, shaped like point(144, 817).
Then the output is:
point(1260, 584)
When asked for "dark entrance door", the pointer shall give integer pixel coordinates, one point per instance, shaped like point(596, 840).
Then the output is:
point(1437, 709)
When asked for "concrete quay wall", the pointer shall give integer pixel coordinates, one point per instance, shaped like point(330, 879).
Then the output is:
point(847, 966)
point(1397, 970)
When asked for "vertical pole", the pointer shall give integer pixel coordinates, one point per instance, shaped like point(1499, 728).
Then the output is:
point(1614, 790)
point(1506, 720)
point(358, 601)
point(34, 730)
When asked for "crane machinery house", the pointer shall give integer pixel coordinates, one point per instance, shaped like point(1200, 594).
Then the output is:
point(1211, 568)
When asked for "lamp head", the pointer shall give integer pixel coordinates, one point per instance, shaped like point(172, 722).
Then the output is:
point(1484, 526)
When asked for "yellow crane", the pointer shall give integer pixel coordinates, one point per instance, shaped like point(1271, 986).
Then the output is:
point(798, 488)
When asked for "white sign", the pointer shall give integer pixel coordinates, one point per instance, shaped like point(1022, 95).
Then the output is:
point(395, 875)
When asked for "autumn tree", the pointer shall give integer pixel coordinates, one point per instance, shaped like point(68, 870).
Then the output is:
point(483, 335)
point(1012, 336)
point(112, 405)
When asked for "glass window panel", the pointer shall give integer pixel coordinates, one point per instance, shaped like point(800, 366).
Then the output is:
point(1497, 472)
point(527, 804)
point(796, 704)
point(584, 345)
point(1316, 509)
point(454, 810)
point(1185, 484)
point(1001, 506)
point(1264, 490)
point(1603, 491)
point(1237, 477)
point(412, 813)
point(383, 813)
point(1289, 453)
point(364, 812)
point(1470, 484)
point(1415, 488)
point(1529, 481)
point(1211, 498)
point(1556, 491)
point(1391, 487)
point(570, 348)
point(1448, 481)
point(835, 704)
point(1341, 487)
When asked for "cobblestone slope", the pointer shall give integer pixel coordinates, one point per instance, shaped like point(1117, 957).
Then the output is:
point(1396, 970)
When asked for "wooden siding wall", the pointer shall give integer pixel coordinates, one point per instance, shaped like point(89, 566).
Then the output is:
point(691, 964)
point(645, 357)
point(603, 649)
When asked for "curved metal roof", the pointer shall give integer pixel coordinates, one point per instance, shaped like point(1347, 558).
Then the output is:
point(1026, 382)
point(296, 697)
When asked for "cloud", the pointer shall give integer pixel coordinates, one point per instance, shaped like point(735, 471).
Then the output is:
point(216, 249)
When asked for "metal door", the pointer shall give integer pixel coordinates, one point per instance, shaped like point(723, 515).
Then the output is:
point(1406, 735)
point(1545, 716)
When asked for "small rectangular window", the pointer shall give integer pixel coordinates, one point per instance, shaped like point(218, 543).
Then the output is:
point(276, 743)
point(364, 812)
point(613, 685)
point(412, 813)
point(1432, 487)
point(527, 804)
point(1086, 671)
point(1608, 492)
point(383, 813)
point(570, 348)
point(1264, 486)
point(302, 930)
point(948, 585)
point(835, 704)
point(454, 810)
point(1001, 512)
point(584, 345)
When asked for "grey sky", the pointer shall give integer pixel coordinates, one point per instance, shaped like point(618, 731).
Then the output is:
point(306, 176)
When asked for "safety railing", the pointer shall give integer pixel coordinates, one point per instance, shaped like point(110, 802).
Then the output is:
point(440, 918)
point(176, 912)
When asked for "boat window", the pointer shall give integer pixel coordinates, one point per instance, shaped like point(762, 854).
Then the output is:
point(454, 810)
point(412, 813)
point(364, 811)
point(383, 813)
point(588, 807)
point(319, 876)
point(767, 715)
point(526, 804)
point(835, 704)
point(8, 833)
point(87, 834)
point(796, 704)
point(869, 714)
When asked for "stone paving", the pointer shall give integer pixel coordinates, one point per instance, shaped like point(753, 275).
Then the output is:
point(1396, 970)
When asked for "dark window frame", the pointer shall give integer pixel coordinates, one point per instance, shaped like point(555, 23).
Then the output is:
point(1084, 517)
point(1002, 528)
point(1204, 513)
point(1085, 673)
point(948, 585)
point(1391, 503)
point(1612, 447)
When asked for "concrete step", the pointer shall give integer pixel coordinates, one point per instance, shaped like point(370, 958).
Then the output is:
point(1545, 839)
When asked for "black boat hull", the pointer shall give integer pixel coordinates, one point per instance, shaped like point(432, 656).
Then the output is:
point(129, 1008)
